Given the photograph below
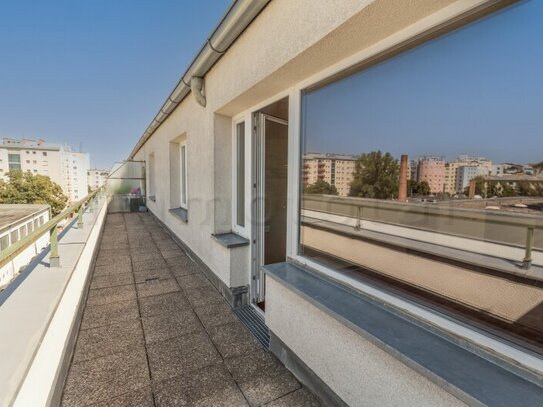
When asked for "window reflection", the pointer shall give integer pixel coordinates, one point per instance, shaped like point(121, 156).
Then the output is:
point(425, 172)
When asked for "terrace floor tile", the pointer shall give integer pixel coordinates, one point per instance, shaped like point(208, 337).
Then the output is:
point(107, 295)
point(149, 339)
point(157, 287)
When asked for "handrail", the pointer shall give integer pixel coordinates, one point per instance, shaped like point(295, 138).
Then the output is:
point(18, 247)
point(518, 219)
point(531, 223)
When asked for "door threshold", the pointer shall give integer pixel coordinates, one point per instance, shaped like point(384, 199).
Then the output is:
point(257, 308)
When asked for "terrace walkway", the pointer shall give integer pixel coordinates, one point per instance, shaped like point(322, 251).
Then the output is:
point(155, 332)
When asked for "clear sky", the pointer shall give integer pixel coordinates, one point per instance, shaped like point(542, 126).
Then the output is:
point(478, 90)
point(93, 73)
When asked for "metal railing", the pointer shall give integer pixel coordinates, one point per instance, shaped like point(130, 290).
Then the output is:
point(498, 227)
point(51, 227)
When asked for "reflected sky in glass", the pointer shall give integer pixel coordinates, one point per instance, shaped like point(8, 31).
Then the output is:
point(477, 90)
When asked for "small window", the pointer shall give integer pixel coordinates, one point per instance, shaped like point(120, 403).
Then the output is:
point(36, 223)
point(14, 236)
point(41, 220)
point(22, 231)
point(29, 227)
point(240, 174)
point(4, 242)
point(44, 153)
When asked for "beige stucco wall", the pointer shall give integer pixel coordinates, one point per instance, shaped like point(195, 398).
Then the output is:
point(288, 42)
point(358, 371)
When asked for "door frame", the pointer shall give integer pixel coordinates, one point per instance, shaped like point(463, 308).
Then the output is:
point(258, 210)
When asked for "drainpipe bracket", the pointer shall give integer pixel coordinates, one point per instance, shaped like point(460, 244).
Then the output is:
point(197, 89)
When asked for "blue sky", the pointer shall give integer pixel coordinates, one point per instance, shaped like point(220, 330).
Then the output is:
point(478, 90)
point(95, 72)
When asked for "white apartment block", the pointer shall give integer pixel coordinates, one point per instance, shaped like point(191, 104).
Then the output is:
point(64, 166)
point(466, 173)
point(96, 178)
point(335, 169)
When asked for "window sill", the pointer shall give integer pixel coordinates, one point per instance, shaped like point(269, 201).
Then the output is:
point(465, 372)
point(180, 213)
point(230, 240)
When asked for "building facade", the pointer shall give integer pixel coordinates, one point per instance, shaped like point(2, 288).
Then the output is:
point(97, 178)
point(336, 169)
point(432, 170)
point(339, 280)
point(65, 167)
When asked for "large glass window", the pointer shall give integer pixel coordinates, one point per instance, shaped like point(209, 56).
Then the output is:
point(424, 173)
point(14, 162)
point(240, 174)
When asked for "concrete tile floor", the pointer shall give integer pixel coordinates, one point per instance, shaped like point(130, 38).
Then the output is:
point(156, 333)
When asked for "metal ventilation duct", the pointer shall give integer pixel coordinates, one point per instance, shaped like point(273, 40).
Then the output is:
point(238, 17)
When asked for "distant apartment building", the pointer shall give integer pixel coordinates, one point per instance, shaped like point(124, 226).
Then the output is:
point(96, 178)
point(335, 169)
point(432, 170)
point(452, 184)
point(497, 170)
point(466, 173)
point(64, 166)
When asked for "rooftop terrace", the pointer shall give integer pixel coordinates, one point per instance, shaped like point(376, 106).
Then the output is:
point(155, 332)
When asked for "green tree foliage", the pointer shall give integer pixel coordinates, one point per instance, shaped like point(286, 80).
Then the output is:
point(481, 187)
point(415, 188)
point(25, 188)
point(538, 166)
point(376, 176)
point(321, 187)
point(531, 189)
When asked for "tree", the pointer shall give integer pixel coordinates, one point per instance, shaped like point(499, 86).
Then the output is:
point(538, 166)
point(25, 188)
point(528, 188)
point(376, 176)
point(418, 188)
point(321, 187)
point(481, 186)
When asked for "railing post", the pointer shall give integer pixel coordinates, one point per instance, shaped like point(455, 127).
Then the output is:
point(80, 217)
point(54, 259)
point(527, 262)
point(358, 216)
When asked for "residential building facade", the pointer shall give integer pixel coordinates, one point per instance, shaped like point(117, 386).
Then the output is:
point(335, 169)
point(65, 167)
point(97, 178)
point(432, 170)
point(370, 301)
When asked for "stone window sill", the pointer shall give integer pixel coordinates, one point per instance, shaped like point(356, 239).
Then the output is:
point(230, 240)
point(180, 213)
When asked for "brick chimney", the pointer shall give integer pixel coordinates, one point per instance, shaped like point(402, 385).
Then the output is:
point(472, 185)
point(402, 192)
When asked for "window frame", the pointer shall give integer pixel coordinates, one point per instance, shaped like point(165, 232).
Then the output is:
point(151, 175)
point(183, 175)
point(242, 230)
